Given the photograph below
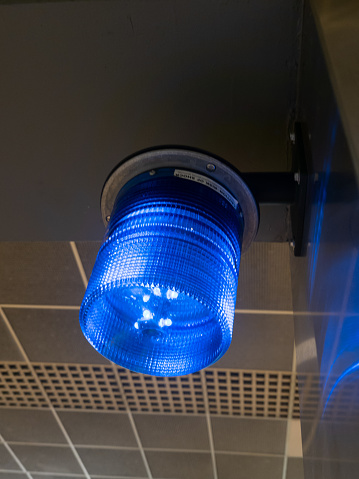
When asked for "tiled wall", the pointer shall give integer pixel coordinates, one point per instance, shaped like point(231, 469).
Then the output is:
point(66, 412)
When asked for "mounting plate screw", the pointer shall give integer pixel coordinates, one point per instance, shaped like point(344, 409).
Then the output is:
point(108, 218)
point(152, 172)
point(210, 167)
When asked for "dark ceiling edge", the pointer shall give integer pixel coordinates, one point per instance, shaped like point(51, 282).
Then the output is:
point(300, 27)
point(296, 72)
point(18, 2)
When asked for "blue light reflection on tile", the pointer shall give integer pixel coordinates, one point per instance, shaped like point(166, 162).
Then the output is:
point(341, 348)
point(326, 281)
point(319, 202)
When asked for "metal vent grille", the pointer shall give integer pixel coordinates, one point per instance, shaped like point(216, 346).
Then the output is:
point(183, 394)
point(248, 393)
point(19, 388)
point(74, 386)
point(80, 387)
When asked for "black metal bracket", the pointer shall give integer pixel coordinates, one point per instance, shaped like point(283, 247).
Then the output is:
point(271, 187)
point(290, 188)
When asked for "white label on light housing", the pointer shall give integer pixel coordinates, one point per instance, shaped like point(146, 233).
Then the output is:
point(203, 180)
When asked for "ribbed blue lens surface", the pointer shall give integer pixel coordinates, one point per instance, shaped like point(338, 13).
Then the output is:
point(162, 293)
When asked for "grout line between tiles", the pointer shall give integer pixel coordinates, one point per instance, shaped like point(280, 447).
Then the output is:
point(133, 425)
point(79, 263)
point(211, 444)
point(41, 444)
point(17, 341)
point(14, 336)
point(38, 306)
point(264, 311)
point(290, 411)
point(60, 474)
point(209, 425)
point(277, 312)
point(14, 456)
point(237, 311)
point(115, 448)
point(138, 440)
point(149, 449)
point(170, 449)
point(115, 477)
point(12, 472)
point(74, 451)
point(67, 474)
point(250, 454)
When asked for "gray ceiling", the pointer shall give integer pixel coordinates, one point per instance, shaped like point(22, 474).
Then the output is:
point(85, 84)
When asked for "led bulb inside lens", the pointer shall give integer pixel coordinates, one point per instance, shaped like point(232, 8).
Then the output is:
point(171, 294)
point(147, 314)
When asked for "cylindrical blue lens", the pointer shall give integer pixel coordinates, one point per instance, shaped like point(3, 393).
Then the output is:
point(162, 293)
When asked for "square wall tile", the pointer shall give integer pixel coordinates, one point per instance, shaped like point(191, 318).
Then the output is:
point(172, 432)
point(47, 459)
point(97, 428)
point(295, 468)
point(249, 435)
point(180, 465)
point(264, 278)
point(88, 252)
point(113, 462)
point(6, 460)
point(39, 273)
point(248, 467)
point(294, 440)
point(30, 425)
point(53, 335)
point(8, 348)
point(262, 342)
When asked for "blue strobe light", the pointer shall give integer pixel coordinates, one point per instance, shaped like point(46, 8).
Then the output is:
point(162, 293)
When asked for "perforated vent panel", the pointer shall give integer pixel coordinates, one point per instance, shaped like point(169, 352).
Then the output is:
point(70, 386)
point(249, 393)
point(183, 394)
point(19, 388)
point(80, 387)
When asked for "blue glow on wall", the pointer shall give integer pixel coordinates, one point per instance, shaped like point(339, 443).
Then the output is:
point(162, 293)
point(320, 202)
